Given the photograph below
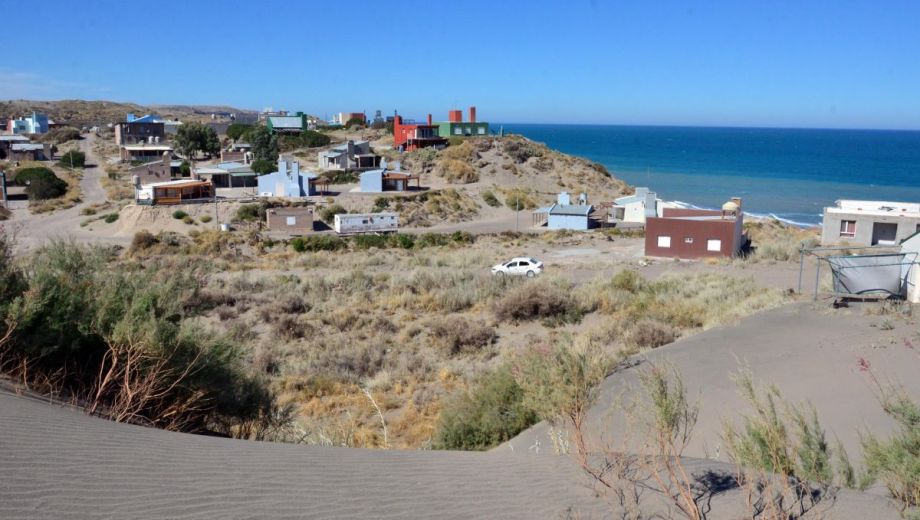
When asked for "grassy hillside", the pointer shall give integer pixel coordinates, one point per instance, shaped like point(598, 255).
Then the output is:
point(79, 112)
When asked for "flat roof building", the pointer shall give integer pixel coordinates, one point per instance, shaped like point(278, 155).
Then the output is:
point(696, 233)
point(869, 222)
point(456, 126)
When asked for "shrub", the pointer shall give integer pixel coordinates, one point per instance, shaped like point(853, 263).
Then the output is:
point(5, 214)
point(205, 219)
point(111, 217)
point(455, 335)
point(251, 212)
point(61, 135)
point(124, 344)
point(491, 199)
point(263, 166)
point(371, 241)
point(454, 170)
point(142, 241)
point(318, 243)
point(491, 413)
point(519, 200)
point(538, 300)
point(73, 159)
point(179, 214)
point(381, 203)
point(23, 176)
point(188, 219)
point(520, 150)
point(88, 211)
point(328, 213)
point(896, 461)
point(46, 187)
point(237, 130)
point(652, 334)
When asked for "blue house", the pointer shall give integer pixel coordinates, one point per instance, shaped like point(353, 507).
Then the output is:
point(288, 181)
point(377, 181)
point(565, 215)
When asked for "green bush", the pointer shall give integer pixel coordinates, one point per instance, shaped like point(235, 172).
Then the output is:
point(491, 199)
point(79, 314)
point(251, 212)
point(896, 461)
point(205, 219)
point(142, 241)
point(61, 135)
point(44, 189)
point(188, 219)
point(381, 203)
point(307, 139)
point(328, 213)
point(263, 166)
point(237, 130)
point(404, 241)
point(41, 183)
point(111, 217)
point(318, 243)
point(371, 241)
point(179, 214)
point(73, 159)
point(490, 414)
point(340, 176)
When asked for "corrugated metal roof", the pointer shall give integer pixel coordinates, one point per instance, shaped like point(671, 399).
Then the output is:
point(26, 147)
point(13, 138)
point(571, 209)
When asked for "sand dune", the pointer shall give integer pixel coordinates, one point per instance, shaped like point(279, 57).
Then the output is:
point(57, 462)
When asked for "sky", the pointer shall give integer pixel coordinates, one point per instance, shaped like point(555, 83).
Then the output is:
point(813, 63)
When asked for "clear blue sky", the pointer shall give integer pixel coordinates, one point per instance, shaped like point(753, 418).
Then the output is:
point(736, 63)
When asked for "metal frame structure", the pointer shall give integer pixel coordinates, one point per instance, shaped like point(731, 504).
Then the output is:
point(823, 254)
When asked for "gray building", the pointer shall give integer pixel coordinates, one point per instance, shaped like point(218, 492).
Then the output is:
point(869, 222)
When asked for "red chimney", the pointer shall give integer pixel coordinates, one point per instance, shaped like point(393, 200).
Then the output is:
point(429, 119)
point(472, 114)
point(455, 116)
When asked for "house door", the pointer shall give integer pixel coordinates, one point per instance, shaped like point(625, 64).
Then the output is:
point(279, 189)
point(884, 234)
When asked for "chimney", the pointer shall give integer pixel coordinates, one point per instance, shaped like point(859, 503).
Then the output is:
point(563, 199)
point(282, 165)
point(429, 119)
point(295, 169)
point(166, 162)
point(472, 114)
point(455, 116)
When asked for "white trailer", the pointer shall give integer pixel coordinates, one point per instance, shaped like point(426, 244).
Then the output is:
point(358, 223)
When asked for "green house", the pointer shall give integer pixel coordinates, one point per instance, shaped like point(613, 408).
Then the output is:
point(449, 128)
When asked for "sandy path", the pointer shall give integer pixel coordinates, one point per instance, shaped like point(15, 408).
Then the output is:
point(809, 351)
point(34, 230)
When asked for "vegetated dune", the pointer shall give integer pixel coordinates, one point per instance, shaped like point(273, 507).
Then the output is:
point(78, 112)
point(809, 351)
point(57, 462)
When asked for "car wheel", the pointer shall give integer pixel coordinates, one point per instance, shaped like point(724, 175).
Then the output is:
point(531, 274)
point(500, 273)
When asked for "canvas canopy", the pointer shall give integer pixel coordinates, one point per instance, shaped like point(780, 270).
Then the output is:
point(871, 274)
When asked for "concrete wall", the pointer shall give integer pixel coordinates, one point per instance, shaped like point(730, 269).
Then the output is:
point(576, 222)
point(830, 230)
point(372, 181)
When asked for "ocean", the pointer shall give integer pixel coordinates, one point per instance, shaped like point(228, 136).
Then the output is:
point(791, 174)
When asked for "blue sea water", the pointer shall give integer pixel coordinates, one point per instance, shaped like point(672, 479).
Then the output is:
point(789, 173)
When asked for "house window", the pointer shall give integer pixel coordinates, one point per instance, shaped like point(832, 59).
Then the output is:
point(714, 245)
point(291, 221)
point(664, 241)
point(458, 131)
point(688, 240)
point(482, 131)
point(848, 228)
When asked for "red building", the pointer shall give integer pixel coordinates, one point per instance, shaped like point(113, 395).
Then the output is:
point(696, 233)
point(408, 136)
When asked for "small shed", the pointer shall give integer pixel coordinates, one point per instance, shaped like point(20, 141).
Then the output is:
point(377, 181)
point(293, 221)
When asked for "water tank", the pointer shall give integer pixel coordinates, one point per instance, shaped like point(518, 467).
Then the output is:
point(730, 206)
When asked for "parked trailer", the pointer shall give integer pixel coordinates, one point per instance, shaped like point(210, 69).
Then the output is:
point(358, 223)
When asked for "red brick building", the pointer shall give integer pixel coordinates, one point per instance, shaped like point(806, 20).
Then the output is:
point(408, 136)
point(696, 233)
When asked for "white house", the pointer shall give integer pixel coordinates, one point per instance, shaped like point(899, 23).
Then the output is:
point(635, 208)
point(353, 155)
point(869, 222)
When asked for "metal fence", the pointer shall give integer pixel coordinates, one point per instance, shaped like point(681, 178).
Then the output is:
point(859, 271)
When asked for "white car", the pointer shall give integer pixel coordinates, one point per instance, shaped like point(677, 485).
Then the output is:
point(521, 266)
